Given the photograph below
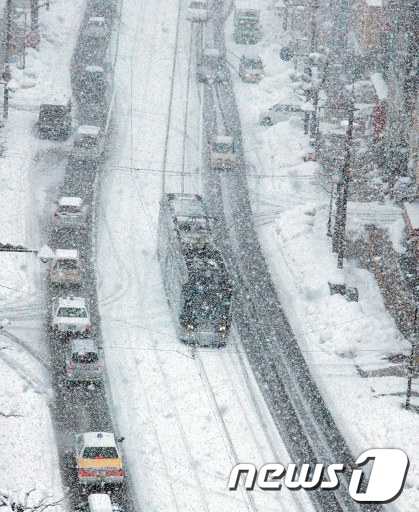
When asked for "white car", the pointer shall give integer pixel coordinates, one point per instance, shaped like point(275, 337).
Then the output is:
point(279, 113)
point(97, 27)
point(71, 315)
point(70, 212)
point(197, 10)
point(83, 362)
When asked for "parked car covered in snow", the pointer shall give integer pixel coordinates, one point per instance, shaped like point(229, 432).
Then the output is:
point(88, 143)
point(98, 459)
point(279, 113)
point(82, 362)
point(97, 27)
point(211, 67)
point(223, 152)
point(71, 315)
point(197, 10)
point(66, 267)
point(70, 212)
point(251, 68)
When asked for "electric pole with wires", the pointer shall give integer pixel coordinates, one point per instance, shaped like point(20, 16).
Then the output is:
point(339, 242)
point(6, 72)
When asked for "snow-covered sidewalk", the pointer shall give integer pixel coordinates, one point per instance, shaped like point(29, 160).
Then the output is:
point(338, 338)
point(30, 172)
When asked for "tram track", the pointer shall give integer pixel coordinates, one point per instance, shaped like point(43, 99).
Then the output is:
point(299, 412)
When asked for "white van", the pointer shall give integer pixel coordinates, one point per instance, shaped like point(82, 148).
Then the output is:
point(99, 503)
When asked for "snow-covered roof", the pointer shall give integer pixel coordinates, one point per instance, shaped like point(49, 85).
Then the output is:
point(70, 201)
point(223, 139)
point(67, 254)
point(412, 211)
point(71, 302)
point(86, 129)
point(99, 439)
point(94, 69)
point(82, 345)
point(380, 86)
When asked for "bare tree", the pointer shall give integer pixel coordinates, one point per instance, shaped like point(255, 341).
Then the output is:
point(13, 503)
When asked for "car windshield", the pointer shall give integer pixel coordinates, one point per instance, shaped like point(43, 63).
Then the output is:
point(66, 265)
point(100, 452)
point(253, 63)
point(85, 358)
point(72, 313)
point(223, 147)
point(69, 209)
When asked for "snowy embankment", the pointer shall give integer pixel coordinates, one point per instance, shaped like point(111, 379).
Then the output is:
point(187, 420)
point(30, 171)
point(340, 340)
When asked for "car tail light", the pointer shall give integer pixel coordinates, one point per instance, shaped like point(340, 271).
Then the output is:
point(98, 368)
point(70, 367)
point(87, 472)
point(114, 472)
point(88, 328)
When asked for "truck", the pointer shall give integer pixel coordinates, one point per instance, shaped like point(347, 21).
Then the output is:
point(246, 22)
point(54, 120)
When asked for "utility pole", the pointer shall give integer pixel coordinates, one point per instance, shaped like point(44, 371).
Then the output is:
point(339, 244)
point(34, 15)
point(412, 360)
point(7, 57)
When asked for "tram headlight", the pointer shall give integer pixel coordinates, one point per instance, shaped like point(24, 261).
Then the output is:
point(189, 327)
point(223, 328)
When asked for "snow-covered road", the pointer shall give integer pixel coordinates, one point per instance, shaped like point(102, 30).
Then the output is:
point(188, 416)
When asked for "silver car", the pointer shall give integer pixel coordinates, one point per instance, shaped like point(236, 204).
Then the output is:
point(70, 212)
point(251, 68)
point(279, 113)
point(83, 363)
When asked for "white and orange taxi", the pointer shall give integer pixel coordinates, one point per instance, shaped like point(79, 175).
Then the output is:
point(98, 459)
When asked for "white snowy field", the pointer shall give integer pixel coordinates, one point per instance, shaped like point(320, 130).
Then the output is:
point(30, 173)
point(338, 338)
point(188, 417)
